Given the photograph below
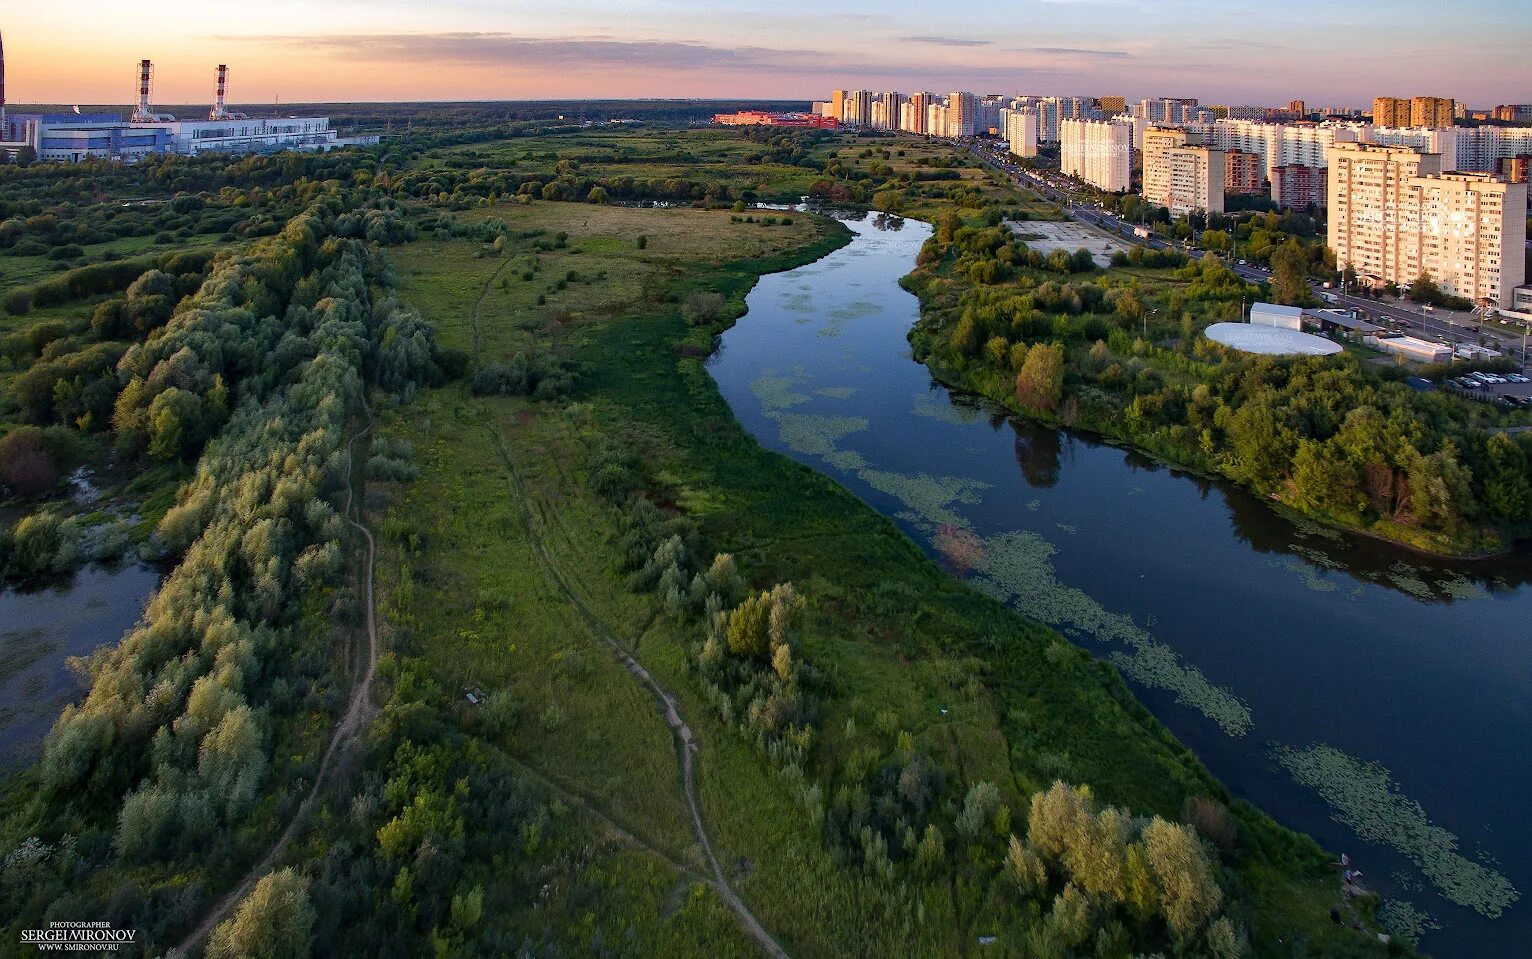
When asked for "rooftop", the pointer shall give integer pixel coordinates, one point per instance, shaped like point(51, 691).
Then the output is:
point(1270, 340)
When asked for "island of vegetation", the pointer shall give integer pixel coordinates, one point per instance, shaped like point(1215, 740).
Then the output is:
point(487, 630)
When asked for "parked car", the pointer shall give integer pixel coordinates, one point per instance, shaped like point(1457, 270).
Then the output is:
point(1517, 378)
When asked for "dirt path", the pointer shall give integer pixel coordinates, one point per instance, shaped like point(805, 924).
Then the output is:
point(686, 743)
point(358, 711)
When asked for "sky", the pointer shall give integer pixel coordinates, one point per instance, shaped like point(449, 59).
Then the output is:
point(1326, 52)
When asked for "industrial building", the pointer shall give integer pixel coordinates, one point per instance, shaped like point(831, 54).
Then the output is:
point(72, 137)
point(1413, 348)
point(1273, 314)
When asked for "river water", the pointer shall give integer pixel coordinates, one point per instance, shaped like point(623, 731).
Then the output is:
point(41, 628)
point(1376, 699)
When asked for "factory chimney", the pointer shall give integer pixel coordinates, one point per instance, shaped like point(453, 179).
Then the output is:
point(3, 132)
point(219, 112)
point(144, 113)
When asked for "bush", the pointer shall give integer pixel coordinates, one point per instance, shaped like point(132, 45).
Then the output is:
point(541, 376)
point(702, 308)
point(27, 464)
point(18, 302)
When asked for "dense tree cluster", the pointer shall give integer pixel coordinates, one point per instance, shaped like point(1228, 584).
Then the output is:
point(1335, 437)
point(1101, 881)
point(174, 742)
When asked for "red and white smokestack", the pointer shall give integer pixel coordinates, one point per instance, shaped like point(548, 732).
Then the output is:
point(145, 76)
point(219, 112)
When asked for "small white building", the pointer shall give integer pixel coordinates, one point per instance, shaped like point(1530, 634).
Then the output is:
point(1282, 317)
point(1413, 348)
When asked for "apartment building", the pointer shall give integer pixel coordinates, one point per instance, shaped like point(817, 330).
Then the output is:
point(1432, 112)
point(1296, 186)
point(1019, 127)
point(1394, 215)
point(1098, 152)
point(1390, 112)
point(962, 114)
point(1243, 172)
point(1181, 172)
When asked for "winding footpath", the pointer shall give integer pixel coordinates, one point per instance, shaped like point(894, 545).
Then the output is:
point(358, 711)
point(687, 747)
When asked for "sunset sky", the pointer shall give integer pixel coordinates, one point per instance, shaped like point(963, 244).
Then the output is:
point(1325, 52)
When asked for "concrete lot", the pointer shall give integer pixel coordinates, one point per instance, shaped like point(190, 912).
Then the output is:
point(1046, 236)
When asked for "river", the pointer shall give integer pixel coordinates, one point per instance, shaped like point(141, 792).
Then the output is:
point(1377, 699)
point(41, 628)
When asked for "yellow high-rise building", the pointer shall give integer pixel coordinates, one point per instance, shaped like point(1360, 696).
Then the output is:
point(1390, 112)
point(1432, 112)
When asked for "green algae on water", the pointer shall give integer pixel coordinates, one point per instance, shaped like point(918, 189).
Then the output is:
point(1400, 917)
point(836, 392)
point(1364, 797)
point(1017, 565)
point(776, 392)
point(929, 497)
point(814, 435)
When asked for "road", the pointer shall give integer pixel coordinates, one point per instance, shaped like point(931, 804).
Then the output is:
point(1448, 326)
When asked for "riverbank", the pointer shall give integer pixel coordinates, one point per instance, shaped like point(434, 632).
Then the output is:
point(1405, 538)
point(1430, 475)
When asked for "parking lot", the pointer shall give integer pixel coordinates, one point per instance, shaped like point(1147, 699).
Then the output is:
point(1509, 393)
point(1045, 236)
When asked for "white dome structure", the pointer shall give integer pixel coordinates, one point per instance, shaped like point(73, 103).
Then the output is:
point(1270, 340)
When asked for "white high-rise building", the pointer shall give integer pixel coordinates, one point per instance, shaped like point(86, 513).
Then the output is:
point(1098, 152)
point(1394, 216)
point(1020, 130)
point(1281, 144)
point(1182, 173)
point(1441, 141)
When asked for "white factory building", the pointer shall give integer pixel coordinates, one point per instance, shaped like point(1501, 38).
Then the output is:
point(72, 137)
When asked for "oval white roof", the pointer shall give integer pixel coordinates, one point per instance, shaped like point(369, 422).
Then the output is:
point(1270, 340)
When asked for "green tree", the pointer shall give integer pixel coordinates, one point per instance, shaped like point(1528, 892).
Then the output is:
point(1189, 895)
point(1040, 383)
point(1261, 443)
point(1324, 479)
point(1289, 275)
point(276, 921)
